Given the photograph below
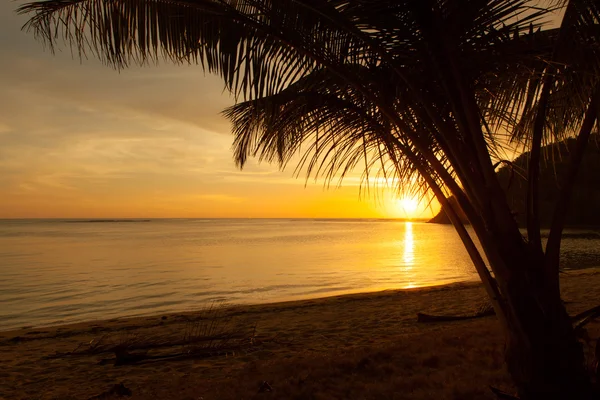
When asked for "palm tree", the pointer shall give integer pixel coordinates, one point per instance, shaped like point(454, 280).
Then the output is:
point(425, 91)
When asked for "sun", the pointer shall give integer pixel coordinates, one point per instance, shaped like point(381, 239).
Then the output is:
point(407, 206)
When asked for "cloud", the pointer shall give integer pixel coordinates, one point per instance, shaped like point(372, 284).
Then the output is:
point(4, 128)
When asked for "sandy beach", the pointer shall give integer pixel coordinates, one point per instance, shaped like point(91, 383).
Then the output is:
point(363, 346)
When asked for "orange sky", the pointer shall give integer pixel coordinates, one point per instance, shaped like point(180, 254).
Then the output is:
point(82, 140)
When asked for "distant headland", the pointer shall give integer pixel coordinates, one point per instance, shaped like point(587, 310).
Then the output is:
point(583, 211)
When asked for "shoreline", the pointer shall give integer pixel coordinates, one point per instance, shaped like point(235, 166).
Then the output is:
point(283, 303)
point(321, 337)
point(259, 307)
point(251, 303)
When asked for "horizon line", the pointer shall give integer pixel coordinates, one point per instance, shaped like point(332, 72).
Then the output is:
point(155, 218)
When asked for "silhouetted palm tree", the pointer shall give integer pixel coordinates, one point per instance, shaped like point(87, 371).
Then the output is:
point(431, 89)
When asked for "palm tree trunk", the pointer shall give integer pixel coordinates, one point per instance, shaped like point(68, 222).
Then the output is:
point(543, 355)
point(546, 363)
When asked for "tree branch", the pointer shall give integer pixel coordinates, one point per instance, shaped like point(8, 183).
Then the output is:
point(533, 218)
point(533, 173)
point(568, 182)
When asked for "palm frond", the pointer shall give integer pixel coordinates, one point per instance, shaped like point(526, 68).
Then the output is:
point(325, 121)
point(255, 46)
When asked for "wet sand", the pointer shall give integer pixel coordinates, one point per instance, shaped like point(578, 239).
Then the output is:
point(364, 346)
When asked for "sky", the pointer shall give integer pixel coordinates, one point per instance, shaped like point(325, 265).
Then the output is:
point(79, 139)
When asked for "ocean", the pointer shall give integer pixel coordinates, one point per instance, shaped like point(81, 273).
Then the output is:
point(63, 271)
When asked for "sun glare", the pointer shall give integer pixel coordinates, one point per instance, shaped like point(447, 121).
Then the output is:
point(408, 206)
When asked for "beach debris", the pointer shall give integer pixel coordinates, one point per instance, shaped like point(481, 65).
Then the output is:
point(36, 332)
point(583, 318)
point(265, 387)
point(211, 333)
point(123, 357)
point(16, 339)
point(421, 317)
point(503, 395)
point(484, 310)
point(119, 390)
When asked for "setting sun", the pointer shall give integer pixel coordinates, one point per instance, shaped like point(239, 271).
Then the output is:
point(407, 206)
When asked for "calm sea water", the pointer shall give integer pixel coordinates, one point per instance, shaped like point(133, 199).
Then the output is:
point(55, 271)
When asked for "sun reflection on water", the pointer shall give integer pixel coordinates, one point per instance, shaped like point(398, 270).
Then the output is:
point(409, 247)
point(408, 256)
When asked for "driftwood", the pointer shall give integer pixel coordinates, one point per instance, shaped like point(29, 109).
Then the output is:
point(578, 320)
point(485, 310)
point(124, 357)
point(421, 317)
point(265, 387)
point(502, 395)
point(116, 390)
point(581, 319)
point(212, 334)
